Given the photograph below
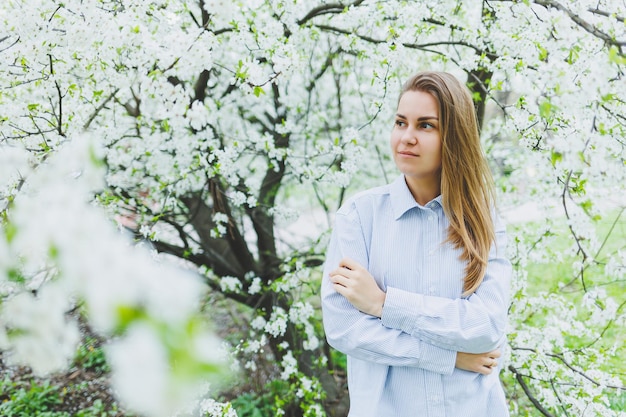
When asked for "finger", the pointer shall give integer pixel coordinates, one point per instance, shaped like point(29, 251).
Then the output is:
point(340, 289)
point(339, 279)
point(342, 270)
point(494, 354)
point(349, 263)
point(491, 363)
point(485, 371)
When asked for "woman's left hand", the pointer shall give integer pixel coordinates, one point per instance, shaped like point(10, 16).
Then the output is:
point(359, 287)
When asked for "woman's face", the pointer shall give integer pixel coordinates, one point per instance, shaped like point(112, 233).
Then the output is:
point(416, 139)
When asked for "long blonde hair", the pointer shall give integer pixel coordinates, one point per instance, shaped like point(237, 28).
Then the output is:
point(467, 188)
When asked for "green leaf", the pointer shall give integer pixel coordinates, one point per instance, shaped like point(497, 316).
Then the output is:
point(14, 275)
point(53, 251)
point(258, 90)
point(10, 231)
point(555, 157)
point(546, 109)
point(126, 315)
point(543, 53)
point(616, 57)
point(574, 53)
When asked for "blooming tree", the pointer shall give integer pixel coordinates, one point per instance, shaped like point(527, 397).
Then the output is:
point(225, 134)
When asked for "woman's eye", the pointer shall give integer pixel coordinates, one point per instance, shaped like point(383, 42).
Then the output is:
point(427, 125)
point(400, 123)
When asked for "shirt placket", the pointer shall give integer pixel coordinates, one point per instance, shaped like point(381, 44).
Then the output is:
point(431, 252)
point(434, 396)
point(434, 384)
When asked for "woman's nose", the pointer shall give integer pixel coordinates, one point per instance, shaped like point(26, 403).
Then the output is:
point(409, 137)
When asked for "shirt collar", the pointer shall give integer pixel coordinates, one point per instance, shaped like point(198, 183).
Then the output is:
point(402, 200)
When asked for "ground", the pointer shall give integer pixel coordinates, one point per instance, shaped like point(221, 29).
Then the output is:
point(71, 391)
point(82, 390)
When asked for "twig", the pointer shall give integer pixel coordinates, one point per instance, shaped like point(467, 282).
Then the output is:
point(531, 397)
point(560, 357)
point(330, 8)
point(100, 107)
point(581, 250)
point(580, 22)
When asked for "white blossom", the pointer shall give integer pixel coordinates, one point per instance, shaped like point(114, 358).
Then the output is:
point(230, 284)
point(142, 371)
point(289, 365)
point(277, 324)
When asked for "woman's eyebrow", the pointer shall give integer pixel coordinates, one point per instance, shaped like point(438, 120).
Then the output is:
point(419, 119)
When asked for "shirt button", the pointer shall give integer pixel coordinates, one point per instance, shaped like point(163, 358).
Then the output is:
point(431, 218)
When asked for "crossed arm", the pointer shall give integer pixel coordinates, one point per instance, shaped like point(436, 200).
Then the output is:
point(399, 328)
point(357, 285)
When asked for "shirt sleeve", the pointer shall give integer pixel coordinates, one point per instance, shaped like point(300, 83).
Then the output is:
point(475, 324)
point(360, 335)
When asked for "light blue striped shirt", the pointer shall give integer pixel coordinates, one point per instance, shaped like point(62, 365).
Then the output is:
point(403, 364)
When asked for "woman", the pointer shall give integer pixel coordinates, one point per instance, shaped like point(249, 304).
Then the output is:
point(416, 282)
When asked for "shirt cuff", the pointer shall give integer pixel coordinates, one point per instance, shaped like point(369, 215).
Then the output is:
point(401, 312)
point(436, 359)
point(395, 313)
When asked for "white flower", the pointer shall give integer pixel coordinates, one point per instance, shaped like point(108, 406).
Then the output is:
point(255, 286)
point(140, 371)
point(258, 323)
point(230, 284)
point(289, 365)
point(251, 365)
point(223, 9)
point(253, 346)
point(212, 408)
point(277, 324)
point(13, 164)
point(221, 220)
point(198, 115)
point(300, 312)
point(45, 339)
point(311, 343)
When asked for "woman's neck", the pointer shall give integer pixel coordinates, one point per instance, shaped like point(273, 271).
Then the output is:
point(423, 191)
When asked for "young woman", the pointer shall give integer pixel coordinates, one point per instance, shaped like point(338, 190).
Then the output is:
point(416, 282)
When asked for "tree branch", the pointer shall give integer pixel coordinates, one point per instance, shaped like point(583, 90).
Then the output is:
point(262, 219)
point(199, 259)
point(422, 46)
point(581, 250)
point(617, 17)
point(531, 397)
point(99, 109)
point(330, 8)
point(560, 357)
point(582, 23)
point(14, 43)
point(229, 255)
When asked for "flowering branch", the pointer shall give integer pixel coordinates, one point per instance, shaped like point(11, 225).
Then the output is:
point(520, 379)
point(571, 367)
point(329, 8)
point(582, 23)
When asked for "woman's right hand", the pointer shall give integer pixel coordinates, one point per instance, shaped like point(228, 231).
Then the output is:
point(483, 363)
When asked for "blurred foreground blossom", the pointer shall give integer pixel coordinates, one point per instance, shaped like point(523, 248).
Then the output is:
point(62, 252)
